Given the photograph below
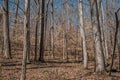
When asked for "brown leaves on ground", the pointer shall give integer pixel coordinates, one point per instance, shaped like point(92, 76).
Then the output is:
point(51, 70)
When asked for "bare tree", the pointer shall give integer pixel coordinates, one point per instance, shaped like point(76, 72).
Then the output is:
point(7, 47)
point(41, 56)
point(25, 47)
point(36, 30)
point(104, 32)
point(28, 34)
point(52, 27)
point(83, 35)
point(64, 32)
point(115, 39)
point(100, 64)
point(16, 18)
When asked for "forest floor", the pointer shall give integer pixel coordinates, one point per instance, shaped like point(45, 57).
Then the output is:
point(51, 70)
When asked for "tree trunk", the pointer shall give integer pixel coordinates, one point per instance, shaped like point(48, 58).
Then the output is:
point(105, 48)
point(91, 14)
point(28, 35)
point(100, 64)
point(52, 29)
point(115, 41)
point(64, 33)
point(41, 56)
point(7, 47)
point(16, 16)
point(25, 47)
point(36, 31)
point(85, 55)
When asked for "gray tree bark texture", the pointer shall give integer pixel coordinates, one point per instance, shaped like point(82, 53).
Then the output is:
point(82, 30)
point(100, 62)
point(102, 24)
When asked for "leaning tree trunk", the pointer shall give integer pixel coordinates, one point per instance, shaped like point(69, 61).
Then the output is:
point(41, 57)
point(115, 39)
point(7, 48)
point(25, 47)
point(85, 55)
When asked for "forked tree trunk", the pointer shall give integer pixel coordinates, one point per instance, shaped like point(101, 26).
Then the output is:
point(82, 30)
point(7, 47)
point(100, 64)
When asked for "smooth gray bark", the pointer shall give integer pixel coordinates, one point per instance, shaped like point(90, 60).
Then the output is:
point(82, 30)
point(100, 64)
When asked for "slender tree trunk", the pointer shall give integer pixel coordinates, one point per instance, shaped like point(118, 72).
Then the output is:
point(91, 14)
point(16, 17)
point(46, 26)
point(25, 47)
point(36, 31)
point(52, 29)
point(105, 47)
point(67, 29)
point(15, 37)
point(64, 33)
point(68, 15)
point(115, 41)
point(85, 55)
point(28, 35)
point(41, 56)
point(118, 44)
point(63, 30)
point(7, 47)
